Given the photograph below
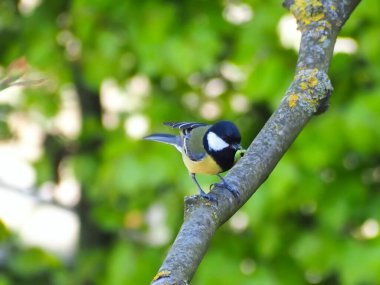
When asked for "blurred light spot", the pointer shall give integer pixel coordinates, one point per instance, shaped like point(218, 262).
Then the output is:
point(239, 103)
point(158, 233)
point(328, 175)
point(370, 229)
point(29, 136)
point(195, 80)
point(136, 126)
point(247, 266)
point(210, 110)
point(366, 176)
point(14, 170)
point(15, 207)
point(313, 277)
point(232, 72)
point(115, 99)
point(371, 175)
point(133, 219)
point(26, 7)
point(239, 222)
point(110, 120)
point(156, 214)
point(73, 49)
point(38, 224)
point(72, 45)
point(237, 13)
point(215, 87)
point(138, 85)
point(168, 82)
point(350, 161)
point(308, 208)
point(11, 95)
point(46, 191)
point(68, 120)
point(51, 228)
point(345, 45)
point(27, 131)
point(112, 97)
point(290, 37)
point(49, 82)
point(376, 174)
point(67, 191)
point(191, 100)
point(63, 37)
point(63, 20)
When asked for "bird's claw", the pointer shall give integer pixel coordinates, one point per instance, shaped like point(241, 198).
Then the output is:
point(209, 197)
point(224, 184)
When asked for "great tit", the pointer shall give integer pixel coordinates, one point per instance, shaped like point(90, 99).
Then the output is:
point(205, 149)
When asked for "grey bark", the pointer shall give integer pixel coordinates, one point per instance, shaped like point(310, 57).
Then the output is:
point(319, 22)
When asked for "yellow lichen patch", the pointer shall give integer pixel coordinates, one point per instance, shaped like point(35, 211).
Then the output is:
point(322, 39)
point(324, 26)
point(316, 17)
point(303, 85)
point(313, 102)
point(163, 273)
point(309, 82)
point(307, 11)
point(292, 100)
point(214, 216)
point(313, 81)
point(321, 30)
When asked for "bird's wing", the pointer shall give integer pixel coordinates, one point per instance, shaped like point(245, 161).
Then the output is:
point(192, 148)
point(184, 125)
point(192, 138)
point(166, 138)
point(193, 143)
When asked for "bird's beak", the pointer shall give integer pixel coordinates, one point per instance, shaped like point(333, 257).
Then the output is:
point(236, 146)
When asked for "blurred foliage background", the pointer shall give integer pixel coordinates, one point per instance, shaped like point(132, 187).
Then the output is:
point(96, 205)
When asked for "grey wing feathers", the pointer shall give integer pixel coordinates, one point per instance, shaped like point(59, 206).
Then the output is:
point(166, 138)
point(180, 142)
point(185, 129)
point(184, 125)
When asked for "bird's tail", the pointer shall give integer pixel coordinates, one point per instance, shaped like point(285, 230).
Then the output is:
point(166, 138)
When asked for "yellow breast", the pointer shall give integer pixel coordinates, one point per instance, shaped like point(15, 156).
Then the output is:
point(205, 166)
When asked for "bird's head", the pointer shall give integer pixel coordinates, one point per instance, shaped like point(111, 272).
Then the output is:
point(222, 141)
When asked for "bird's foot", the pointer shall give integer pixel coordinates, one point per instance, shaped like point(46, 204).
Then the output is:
point(208, 197)
point(224, 184)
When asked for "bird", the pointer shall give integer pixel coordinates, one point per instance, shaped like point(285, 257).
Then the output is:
point(206, 149)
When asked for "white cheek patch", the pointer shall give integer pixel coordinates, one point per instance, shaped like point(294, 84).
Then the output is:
point(215, 143)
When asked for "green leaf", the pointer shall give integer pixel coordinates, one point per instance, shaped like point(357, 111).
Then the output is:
point(31, 262)
point(4, 232)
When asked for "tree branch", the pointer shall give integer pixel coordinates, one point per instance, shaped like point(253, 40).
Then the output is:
point(319, 22)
